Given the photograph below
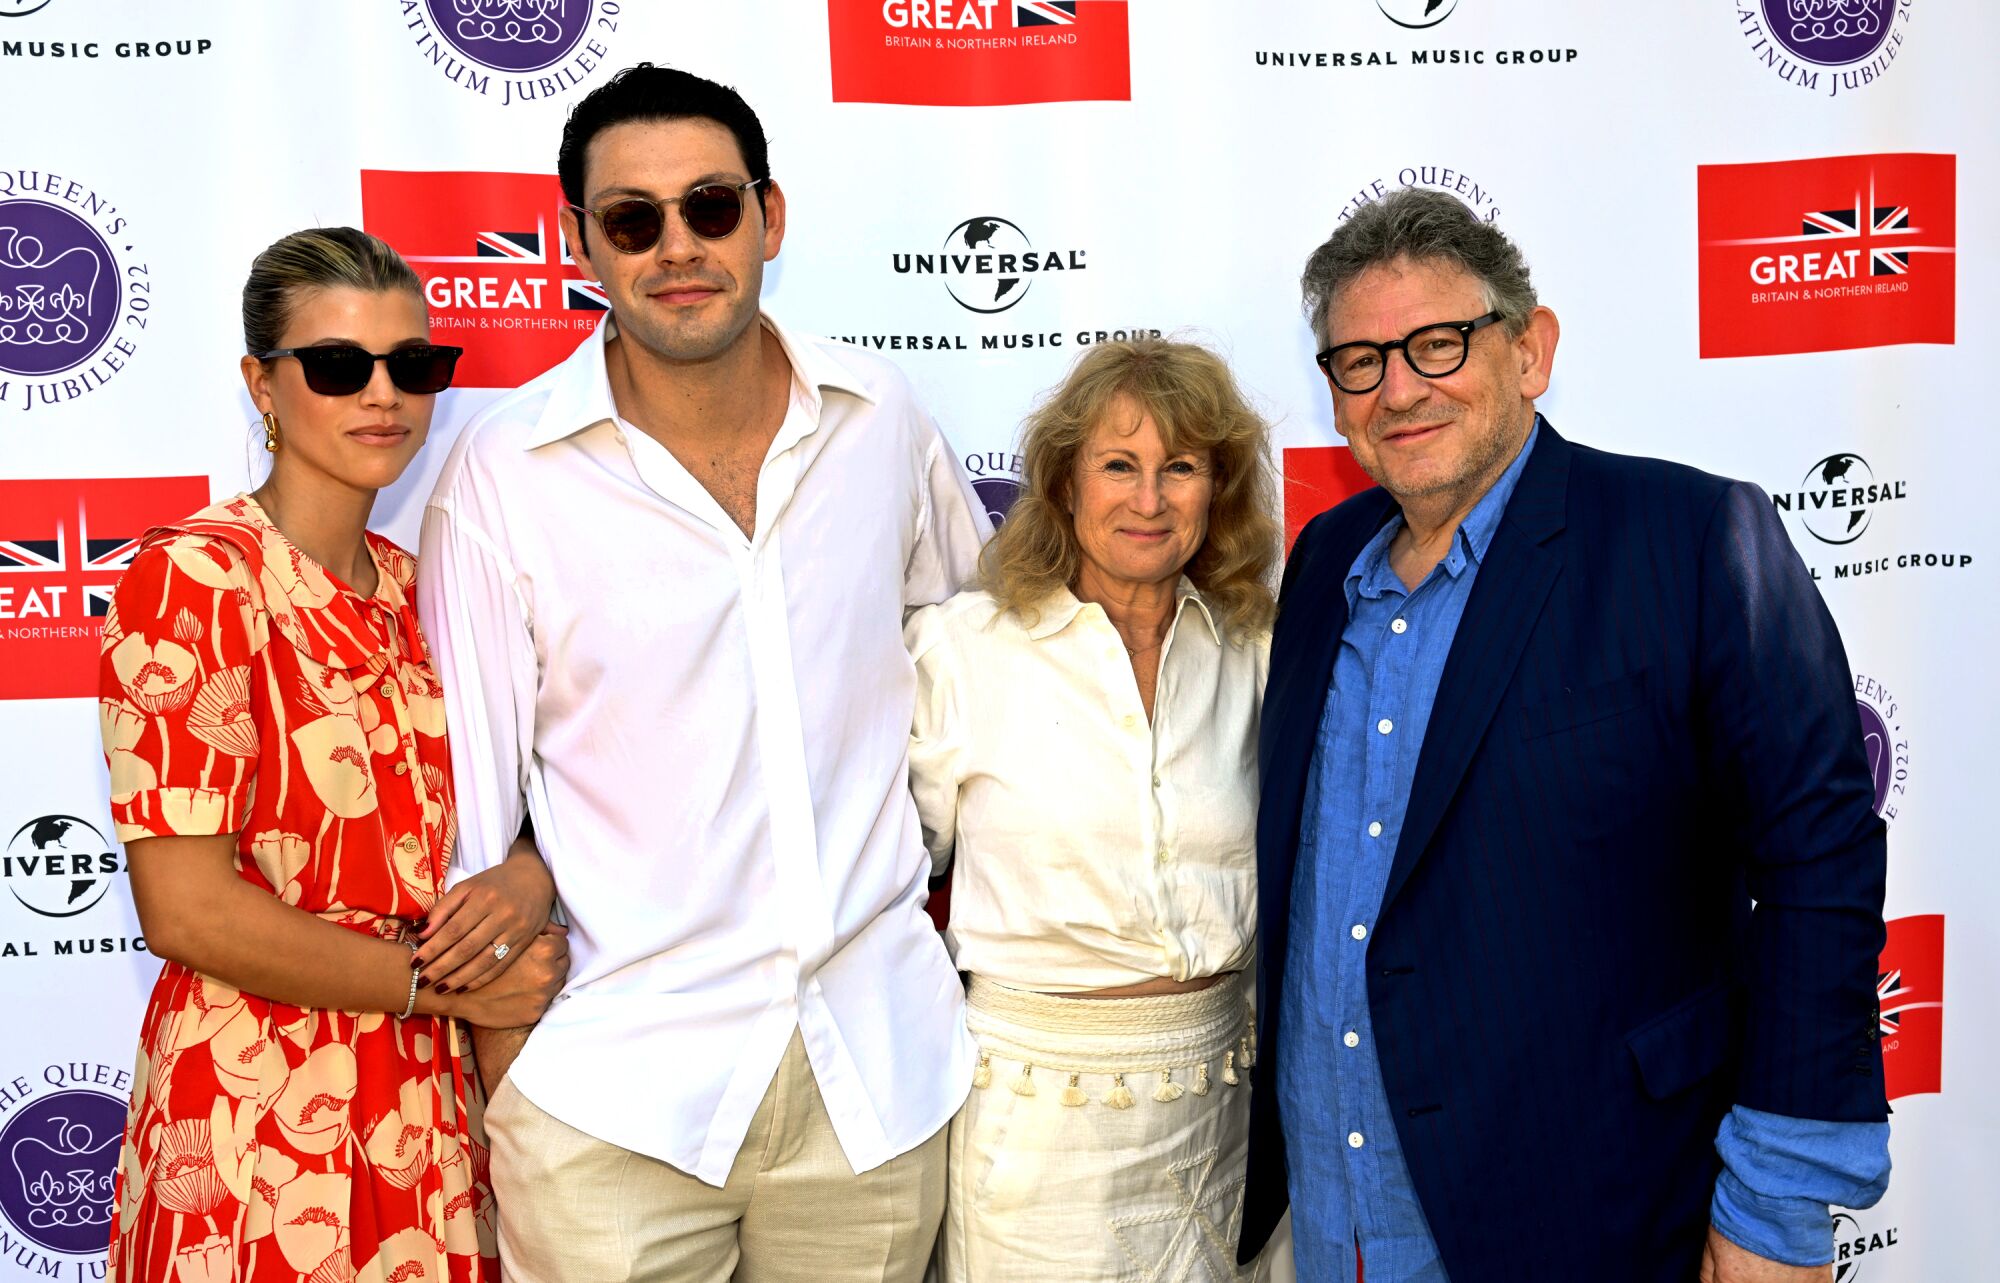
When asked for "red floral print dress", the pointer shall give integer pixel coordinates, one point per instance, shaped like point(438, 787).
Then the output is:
point(244, 690)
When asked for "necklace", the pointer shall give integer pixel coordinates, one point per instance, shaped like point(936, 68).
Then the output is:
point(1139, 651)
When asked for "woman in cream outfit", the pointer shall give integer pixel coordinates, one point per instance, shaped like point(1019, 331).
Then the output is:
point(1086, 745)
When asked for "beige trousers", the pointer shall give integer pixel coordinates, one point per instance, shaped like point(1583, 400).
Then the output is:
point(574, 1209)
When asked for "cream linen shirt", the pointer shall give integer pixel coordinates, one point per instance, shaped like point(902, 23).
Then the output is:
point(710, 732)
point(1092, 849)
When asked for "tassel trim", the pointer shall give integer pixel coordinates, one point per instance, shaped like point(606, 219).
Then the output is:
point(1229, 1067)
point(1168, 1090)
point(1120, 1096)
point(1025, 1084)
point(982, 1077)
point(1073, 1095)
point(1201, 1079)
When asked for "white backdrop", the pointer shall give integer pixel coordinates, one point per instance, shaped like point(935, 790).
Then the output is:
point(1209, 148)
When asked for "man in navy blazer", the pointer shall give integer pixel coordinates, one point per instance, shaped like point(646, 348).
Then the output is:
point(1571, 885)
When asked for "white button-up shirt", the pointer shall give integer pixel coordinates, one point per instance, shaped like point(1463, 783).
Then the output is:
point(1093, 849)
point(709, 730)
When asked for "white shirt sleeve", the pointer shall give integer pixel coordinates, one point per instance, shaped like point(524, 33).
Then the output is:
point(951, 528)
point(937, 735)
point(477, 628)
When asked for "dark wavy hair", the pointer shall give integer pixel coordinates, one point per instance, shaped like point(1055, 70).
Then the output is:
point(645, 91)
point(1193, 398)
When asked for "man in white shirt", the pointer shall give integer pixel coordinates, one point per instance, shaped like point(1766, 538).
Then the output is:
point(665, 585)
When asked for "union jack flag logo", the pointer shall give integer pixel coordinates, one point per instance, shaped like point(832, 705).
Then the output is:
point(524, 248)
point(1894, 998)
point(101, 556)
point(1909, 990)
point(72, 542)
point(1886, 220)
point(1044, 13)
point(32, 554)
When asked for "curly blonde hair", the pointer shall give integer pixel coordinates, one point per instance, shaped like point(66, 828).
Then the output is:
point(1194, 400)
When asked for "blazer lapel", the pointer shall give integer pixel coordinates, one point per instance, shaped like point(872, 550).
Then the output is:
point(1514, 581)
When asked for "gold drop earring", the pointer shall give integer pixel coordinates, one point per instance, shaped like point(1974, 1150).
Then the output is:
point(270, 432)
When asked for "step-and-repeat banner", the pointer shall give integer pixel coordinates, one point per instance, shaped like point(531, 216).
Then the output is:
point(1755, 219)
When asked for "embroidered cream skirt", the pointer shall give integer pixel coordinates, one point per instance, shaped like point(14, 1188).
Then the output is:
point(1104, 1139)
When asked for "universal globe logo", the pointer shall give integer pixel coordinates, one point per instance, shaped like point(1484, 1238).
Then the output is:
point(1854, 1244)
point(988, 264)
point(1837, 498)
point(58, 866)
point(1416, 14)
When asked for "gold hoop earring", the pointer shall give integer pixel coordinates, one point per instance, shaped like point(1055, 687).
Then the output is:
point(270, 432)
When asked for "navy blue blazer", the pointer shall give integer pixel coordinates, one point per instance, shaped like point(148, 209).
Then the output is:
point(1646, 722)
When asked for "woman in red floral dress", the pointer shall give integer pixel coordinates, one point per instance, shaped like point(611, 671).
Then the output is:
point(301, 1109)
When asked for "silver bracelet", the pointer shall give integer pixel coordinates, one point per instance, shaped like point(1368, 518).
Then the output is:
point(410, 1007)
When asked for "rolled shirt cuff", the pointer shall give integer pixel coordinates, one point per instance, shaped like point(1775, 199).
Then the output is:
point(1792, 1231)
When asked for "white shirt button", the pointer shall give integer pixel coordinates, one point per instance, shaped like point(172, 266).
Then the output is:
point(1351, 1038)
point(1355, 1140)
point(1400, 626)
point(1161, 854)
point(1130, 721)
point(1385, 726)
point(1375, 829)
point(1156, 781)
point(1359, 932)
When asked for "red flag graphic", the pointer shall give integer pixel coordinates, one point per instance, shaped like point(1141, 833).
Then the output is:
point(979, 53)
point(497, 276)
point(1820, 255)
point(1317, 478)
point(63, 547)
point(1910, 991)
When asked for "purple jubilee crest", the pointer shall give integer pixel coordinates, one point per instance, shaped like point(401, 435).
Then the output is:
point(513, 36)
point(1832, 33)
point(58, 288)
point(998, 494)
point(1881, 761)
point(58, 1161)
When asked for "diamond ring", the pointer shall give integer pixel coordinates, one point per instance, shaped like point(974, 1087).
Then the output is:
point(500, 950)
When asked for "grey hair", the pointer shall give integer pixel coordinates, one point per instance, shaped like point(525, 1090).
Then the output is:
point(1422, 226)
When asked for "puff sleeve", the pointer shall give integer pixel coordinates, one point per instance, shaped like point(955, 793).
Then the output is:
point(176, 682)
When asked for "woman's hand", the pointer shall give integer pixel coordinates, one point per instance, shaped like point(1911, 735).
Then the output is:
point(521, 992)
point(508, 904)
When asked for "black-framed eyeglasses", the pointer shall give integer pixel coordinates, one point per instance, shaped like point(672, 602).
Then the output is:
point(635, 224)
point(342, 369)
point(1432, 351)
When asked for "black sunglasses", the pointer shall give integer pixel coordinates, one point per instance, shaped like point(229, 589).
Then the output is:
point(635, 224)
point(1431, 350)
point(342, 369)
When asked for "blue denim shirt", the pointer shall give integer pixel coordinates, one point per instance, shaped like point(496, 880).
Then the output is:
point(1348, 1181)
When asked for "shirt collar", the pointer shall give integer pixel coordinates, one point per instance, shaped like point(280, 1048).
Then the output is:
point(308, 606)
point(580, 387)
point(1061, 609)
point(1370, 572)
